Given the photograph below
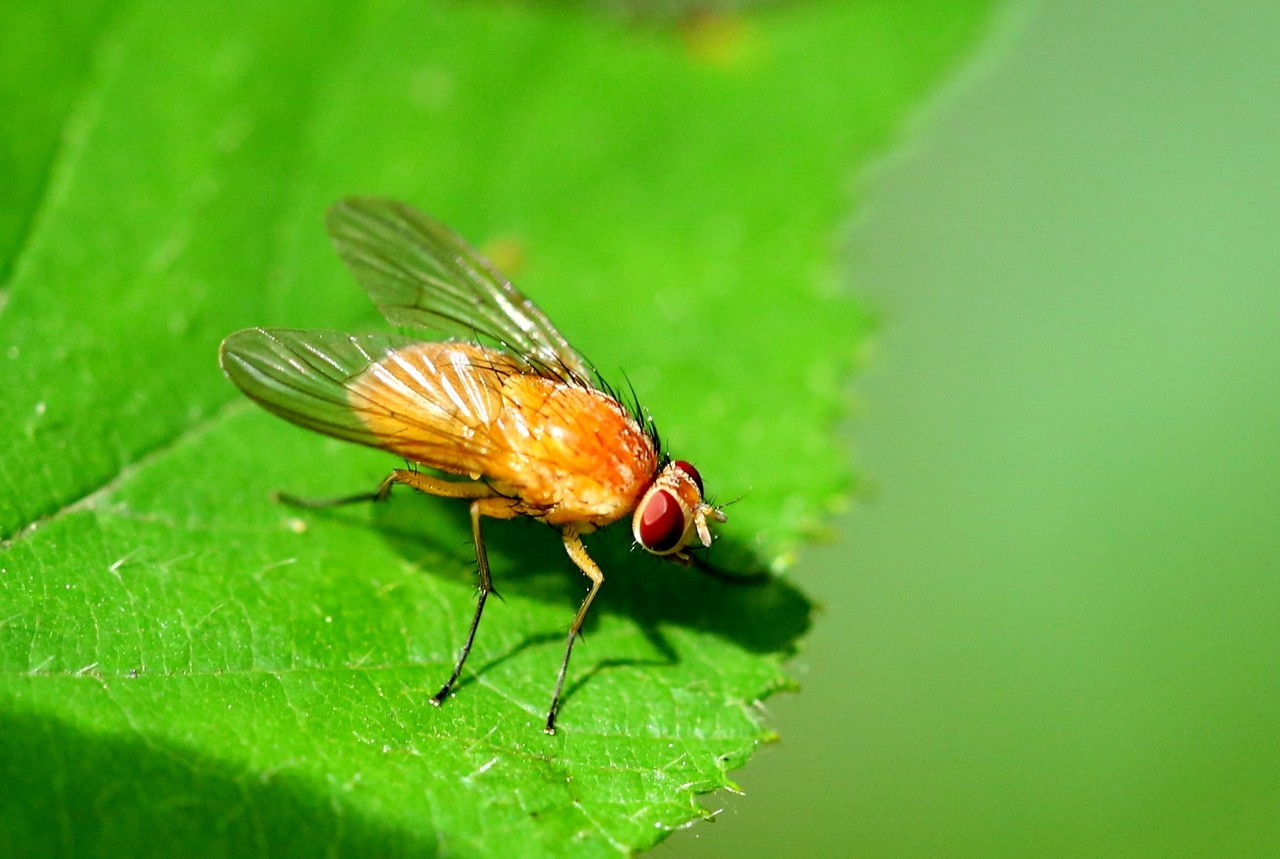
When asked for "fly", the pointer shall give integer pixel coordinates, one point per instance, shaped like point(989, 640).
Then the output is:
point(516, 417)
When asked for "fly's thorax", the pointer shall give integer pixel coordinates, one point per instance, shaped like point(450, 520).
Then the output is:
point(575, 454)
point(672, 512)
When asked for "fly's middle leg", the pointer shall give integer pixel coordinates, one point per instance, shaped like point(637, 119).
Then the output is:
point(484, 502)
point(498, 508)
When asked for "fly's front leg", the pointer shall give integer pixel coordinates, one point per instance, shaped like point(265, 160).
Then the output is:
point(499, 508)
point(578, 552)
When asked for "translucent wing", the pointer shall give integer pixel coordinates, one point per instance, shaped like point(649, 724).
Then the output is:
point(420, 273)
point(432, 403)
point(305, 376)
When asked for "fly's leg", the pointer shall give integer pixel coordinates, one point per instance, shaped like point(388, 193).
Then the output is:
point(379, 494)
point(697, 562)
point(421, 482)
point(578, 552)
point(499, 508)
point(484, 502)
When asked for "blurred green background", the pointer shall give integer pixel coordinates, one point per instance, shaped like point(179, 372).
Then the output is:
point(1051, 624)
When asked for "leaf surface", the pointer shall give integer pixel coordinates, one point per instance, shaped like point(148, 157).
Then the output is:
point(188, 668)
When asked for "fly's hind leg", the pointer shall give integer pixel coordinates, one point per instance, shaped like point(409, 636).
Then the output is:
point(421, 482)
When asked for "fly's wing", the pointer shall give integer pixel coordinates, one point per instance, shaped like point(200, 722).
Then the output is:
point(432, 403)
point(305, 376)
point(420, 273)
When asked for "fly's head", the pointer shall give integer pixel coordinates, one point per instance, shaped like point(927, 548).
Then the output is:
point(671, 514)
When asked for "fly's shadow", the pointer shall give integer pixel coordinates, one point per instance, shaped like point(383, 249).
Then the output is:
point(740, 603)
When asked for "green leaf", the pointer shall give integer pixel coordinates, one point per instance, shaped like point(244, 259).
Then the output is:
point(187, 668)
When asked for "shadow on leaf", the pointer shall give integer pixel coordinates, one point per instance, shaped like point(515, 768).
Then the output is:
point(761, 616)
point(741, 604)
point(76, 793)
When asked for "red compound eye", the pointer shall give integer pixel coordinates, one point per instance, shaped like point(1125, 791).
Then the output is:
point(661, 522)
point(687, 468)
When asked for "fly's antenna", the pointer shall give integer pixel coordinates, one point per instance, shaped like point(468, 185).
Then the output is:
point(713, 503)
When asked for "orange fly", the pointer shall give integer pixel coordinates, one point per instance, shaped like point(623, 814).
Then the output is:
point(525, 426)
